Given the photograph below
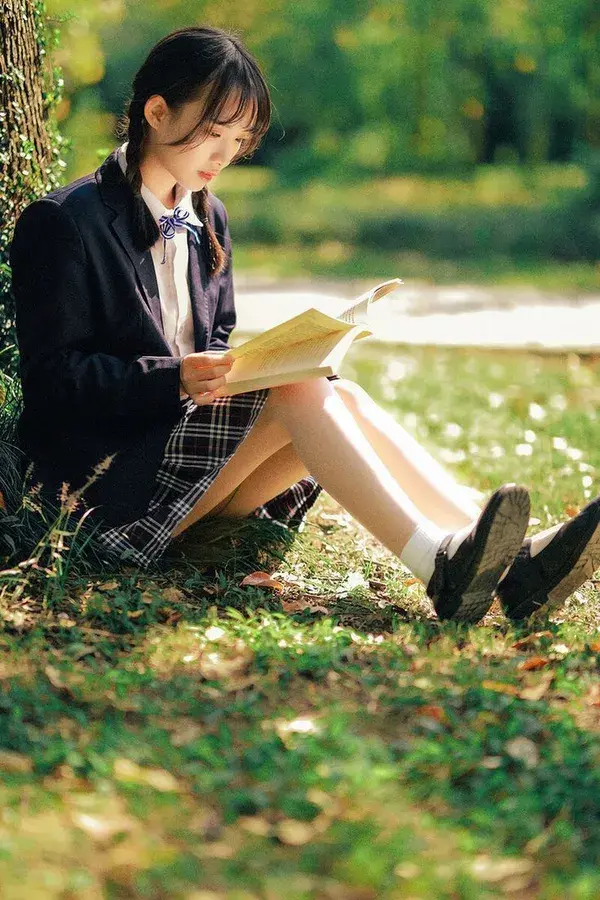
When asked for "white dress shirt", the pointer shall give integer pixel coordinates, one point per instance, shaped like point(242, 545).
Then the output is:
point(172, 275)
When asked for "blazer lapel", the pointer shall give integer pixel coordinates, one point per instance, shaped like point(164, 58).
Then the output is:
point(117, 195)
point(198, 287)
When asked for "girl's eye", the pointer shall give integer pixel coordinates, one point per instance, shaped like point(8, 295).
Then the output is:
point(215, 134)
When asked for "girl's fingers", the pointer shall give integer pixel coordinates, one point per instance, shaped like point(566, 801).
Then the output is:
point(203, 399)
point(203, 375)
point(210, 385)
point(202, 390)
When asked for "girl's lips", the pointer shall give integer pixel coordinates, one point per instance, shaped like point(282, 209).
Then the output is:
point(207, 175)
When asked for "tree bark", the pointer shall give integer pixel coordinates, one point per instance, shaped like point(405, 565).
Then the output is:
point(25, 142)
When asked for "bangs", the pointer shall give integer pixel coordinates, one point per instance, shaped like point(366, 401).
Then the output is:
point(237, 83)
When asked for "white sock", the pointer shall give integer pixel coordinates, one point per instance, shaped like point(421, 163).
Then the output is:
point(421, 548)
point(538, 542)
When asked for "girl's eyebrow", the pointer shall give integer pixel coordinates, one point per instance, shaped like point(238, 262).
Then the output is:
point(248, 130)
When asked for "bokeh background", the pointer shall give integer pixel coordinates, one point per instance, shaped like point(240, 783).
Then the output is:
point(442, 140)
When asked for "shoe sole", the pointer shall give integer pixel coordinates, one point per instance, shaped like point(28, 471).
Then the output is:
point(507, 530)
point(582, 571)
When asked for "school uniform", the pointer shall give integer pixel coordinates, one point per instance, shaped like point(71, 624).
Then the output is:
point(101, 329)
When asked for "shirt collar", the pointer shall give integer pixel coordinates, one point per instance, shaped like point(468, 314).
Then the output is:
point(156, 207)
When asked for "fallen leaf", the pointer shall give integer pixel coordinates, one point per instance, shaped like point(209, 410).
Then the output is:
point(494, 870)
point(102, 828)
point(14, 762)
point(54, 677)
point(536, 662)
point(294, 832)
point(170, 616)
point(128, 771)
point(491, 762)
point(500, 687)
point(531, 639)
point(107, 586)
point(523, 749)
point(213, 589)
point(536, 690)
point(593, 695)
point(292, 606)
point(186, 732)
point(173, 595)
point(432, 712)
point(2, 501)
point(255, 825)
point(261, 579)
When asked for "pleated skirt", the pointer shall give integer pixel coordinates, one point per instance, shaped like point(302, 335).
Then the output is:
point(199, 445)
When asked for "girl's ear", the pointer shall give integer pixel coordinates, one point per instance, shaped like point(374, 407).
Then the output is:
point(155, 110)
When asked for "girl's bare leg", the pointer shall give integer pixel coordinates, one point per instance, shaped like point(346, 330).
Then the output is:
point(277, 466)
point(333, 449)
point(310, 421)
point(264, 439)
point(426, 482)
point(428, 485)
point(274, 475)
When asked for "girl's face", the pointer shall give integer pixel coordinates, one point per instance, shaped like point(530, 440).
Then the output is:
point(192, 165)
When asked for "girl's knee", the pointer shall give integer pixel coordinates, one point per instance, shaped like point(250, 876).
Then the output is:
point(300, 391)
point(351, 392)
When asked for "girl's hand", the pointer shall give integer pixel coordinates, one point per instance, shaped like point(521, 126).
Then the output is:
point(202, 373)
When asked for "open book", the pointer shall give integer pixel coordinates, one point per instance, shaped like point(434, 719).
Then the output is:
point(310, 345)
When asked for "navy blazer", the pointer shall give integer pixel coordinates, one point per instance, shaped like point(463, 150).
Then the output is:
point(98, 375)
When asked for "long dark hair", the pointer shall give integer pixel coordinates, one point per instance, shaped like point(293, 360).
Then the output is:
point(180, 67)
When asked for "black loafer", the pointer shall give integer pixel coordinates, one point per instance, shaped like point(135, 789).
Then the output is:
point(462, 587)
point(544, 581)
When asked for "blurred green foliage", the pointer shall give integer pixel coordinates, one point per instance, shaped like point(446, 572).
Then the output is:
point(371, 86)
point(428, 127)
point(548, 212)
point(464, 130)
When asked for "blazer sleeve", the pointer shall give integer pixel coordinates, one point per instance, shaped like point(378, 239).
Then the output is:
point(225, 315)
point(61, 368)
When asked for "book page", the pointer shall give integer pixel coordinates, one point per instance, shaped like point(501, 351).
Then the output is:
point(307, 354)
point(308, 325)
point(313, 323)
point(358, 313)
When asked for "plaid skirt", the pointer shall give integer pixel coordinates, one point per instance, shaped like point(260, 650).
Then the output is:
point(199, 445)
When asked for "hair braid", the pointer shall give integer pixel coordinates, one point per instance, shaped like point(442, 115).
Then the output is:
point(212, 249)
point(145, 229)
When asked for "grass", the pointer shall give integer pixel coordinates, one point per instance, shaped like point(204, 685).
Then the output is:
point(182, 734)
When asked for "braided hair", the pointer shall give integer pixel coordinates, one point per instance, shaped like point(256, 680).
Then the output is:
point(188, 63)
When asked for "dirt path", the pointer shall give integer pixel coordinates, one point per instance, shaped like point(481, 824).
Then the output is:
point(461, 315)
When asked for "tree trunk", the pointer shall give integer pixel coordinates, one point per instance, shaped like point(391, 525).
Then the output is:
point(25, 141)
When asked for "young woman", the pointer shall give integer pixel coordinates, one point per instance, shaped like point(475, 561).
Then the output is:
point(124, 305)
